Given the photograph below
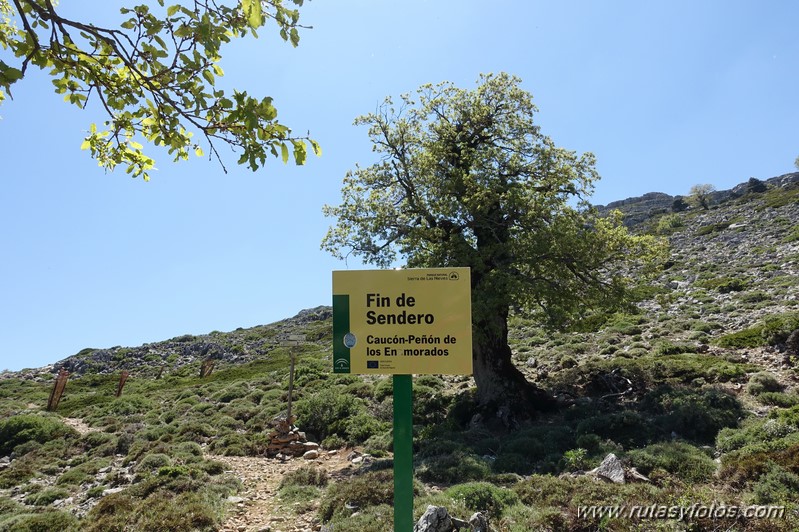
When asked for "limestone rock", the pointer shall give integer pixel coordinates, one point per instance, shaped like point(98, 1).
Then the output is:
point(610, 469)
point(434, 519)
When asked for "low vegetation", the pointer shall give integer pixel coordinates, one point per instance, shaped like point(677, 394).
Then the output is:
point(696, 390)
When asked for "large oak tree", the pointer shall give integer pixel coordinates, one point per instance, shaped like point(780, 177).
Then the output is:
point(466, 178)
point(154, 77)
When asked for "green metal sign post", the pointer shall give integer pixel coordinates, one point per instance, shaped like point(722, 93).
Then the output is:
point(415, 321)
point(403, 453)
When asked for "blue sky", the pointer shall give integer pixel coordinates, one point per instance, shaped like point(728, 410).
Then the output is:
point(666, 94)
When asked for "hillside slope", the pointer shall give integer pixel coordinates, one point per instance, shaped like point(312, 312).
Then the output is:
point(695, 393)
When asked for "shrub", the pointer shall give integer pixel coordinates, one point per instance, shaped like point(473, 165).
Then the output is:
point(383, 389)
point(668, 348)
point(668, 223)
point(575, 459)
point(771, 330)
point(327, 412)
point(305, 476)
point(484, 497)
point(681, 459)
point(763, 382)
point(748, 465)
point(363, 426)
point(693, 414)
point(776, 486)
point(183, 513)
point(509, 462)
point(47, 496)
point(458, 466)
point(370, 489)
point(152, 462)
point(627, 428)
point(27, 427)
point(783, 400)
point(361, 389)
point(40, 522)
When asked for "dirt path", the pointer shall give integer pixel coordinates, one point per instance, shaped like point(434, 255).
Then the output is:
point(78, 424)
point(258, 509)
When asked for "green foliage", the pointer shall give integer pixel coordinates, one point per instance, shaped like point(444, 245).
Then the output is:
point(575, 459)
point(763, 382)
point(712, 228)
point(777, 486)
point(329, 412)
point(700, 195)
point(771, 330)
point(668, 223)
point(305, 476)
point(784, 400)
point(465, 177)
point(40, 522)
point(723, 285)
point(152, 462)
point(458, 466)
point(155, 77)
point(407, 210)
point(370, 489)
point(693, 414)
point(683, 460)
point(24, 428)
point(484, 497)
point(47, 496)
point(780, 197)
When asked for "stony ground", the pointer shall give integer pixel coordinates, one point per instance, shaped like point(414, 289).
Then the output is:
point(257, 508)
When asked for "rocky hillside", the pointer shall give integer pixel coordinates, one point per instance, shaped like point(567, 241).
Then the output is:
point(690, 399)
point(640, 209)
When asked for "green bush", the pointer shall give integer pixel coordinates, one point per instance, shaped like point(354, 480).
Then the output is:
point(763, 382)
point(693, 414)
point(305, 476)
point(777, 486)
point(47, 496)
point(627, 428)
point(783, 400)
point(749, 464)
point(27, 427)
point(185, 512)
point(771, 330)
point(681, 459)
point(40, 522)
point(370, 489)
point(363, 426)
point(152, 462)
point(458, 466)
point(327, 412)
point(483, 497)
point(668, 223)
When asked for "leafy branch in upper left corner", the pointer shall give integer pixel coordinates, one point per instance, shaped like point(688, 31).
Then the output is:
point(155, 77)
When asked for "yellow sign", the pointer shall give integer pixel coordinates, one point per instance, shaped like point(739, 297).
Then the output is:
point(402, 322)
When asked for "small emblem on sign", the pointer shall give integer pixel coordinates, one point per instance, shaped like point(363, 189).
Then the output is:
point(342, 363)
point(372, 364)
point(454, 276)
point(350, 340)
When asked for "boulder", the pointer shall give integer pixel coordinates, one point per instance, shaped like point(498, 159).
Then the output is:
point(434, 519)
point(610, 469)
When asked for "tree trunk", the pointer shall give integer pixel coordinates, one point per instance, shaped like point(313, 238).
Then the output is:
point(502, 389)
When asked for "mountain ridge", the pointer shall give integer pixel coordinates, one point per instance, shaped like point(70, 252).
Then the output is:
point(244, 345)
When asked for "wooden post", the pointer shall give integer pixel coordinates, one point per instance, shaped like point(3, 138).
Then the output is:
point(294, 341)
point(58, 390)
point(206, 368)
point(291, 383)
point(123, 377)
